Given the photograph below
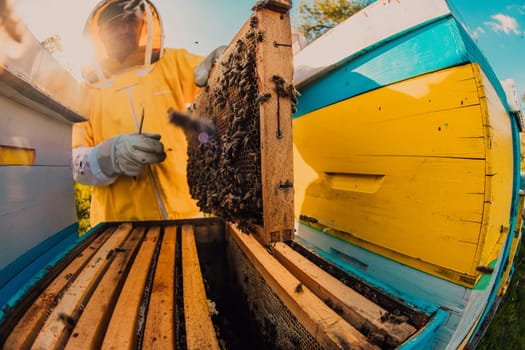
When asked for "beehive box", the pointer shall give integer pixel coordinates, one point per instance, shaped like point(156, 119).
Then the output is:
point(198, 284)
point(244, 173)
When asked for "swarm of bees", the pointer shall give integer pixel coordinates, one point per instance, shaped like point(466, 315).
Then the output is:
point(224, 173)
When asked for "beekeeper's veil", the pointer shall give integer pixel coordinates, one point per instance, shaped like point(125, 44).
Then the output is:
point(123, 34)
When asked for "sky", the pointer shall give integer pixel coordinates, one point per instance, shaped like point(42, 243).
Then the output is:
point(498, 26)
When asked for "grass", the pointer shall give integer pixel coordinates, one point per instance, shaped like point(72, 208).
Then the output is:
point(82, 202)
point(506, 329)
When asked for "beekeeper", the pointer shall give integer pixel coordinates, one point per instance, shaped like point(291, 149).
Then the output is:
point(127, 149)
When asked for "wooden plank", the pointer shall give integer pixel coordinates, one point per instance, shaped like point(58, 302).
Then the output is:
point(274, 59)
point(56, 327)
point(91, 325)
point(200, 334)
point(500, 165)
point(121, 333)
point(24, 333)
point(329, 329)
point(159, 331)
point(361, 312)
point(281, 6)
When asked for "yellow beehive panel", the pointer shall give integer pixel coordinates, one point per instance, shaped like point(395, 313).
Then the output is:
point(406, 170)
point(499, 171)
point(398, 120)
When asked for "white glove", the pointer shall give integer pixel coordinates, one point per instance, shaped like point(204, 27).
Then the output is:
point(202, 71)
point(129, 154)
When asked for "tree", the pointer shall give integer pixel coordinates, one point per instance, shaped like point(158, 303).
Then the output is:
point(82, 203)
point(322, 15)
point(53, 44)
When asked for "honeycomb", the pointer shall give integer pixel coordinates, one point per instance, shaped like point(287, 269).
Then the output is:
point(224, 169)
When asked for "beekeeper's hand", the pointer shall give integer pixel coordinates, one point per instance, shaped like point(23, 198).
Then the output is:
point(129, 154)
point(202, 72)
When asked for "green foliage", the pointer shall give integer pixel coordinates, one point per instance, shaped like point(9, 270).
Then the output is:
point(322, 15)
point(53, 43)
point(506, 329)
point(82, 202)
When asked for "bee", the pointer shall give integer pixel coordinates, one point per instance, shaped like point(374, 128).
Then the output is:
point(487, 270)
point(244, 81)
point(260, 36)
point(254, 21)
point(277, 79)
point(247, 196)
point(250, 35)
point(309, 219)
point(293, 91)
point(237, 136)
point(263, 97)
point(68, 320)
point(246, 141)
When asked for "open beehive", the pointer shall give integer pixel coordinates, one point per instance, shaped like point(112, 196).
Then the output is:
point(200, 284)
point(244, 172)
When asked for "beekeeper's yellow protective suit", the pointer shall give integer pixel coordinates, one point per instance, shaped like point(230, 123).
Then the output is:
point(118, 95)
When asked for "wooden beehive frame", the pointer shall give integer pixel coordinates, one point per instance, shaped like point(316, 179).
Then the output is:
point(274, 66)
point(144, 285)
